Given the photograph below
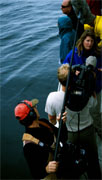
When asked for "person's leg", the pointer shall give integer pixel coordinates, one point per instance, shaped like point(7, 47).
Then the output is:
point(88, 141)
point(99, 144)
point(96, 114)
point(92, 154)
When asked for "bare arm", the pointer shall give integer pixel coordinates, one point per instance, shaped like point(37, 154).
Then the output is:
point(52, 119)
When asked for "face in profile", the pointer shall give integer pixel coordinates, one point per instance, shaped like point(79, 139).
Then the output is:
point(66, 7)
point(88, 43)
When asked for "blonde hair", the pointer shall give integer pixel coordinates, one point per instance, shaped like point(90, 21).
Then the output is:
point(62, 73)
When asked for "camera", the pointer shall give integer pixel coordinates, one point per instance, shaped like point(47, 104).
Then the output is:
point(82, 84)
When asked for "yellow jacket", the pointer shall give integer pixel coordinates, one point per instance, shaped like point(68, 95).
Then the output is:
point(97, 28)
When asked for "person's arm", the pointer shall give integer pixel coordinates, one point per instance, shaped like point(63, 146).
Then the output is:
point(52, 119)
point(37, 161)
point(64, 117)
point(36, 158)
point(68, 58)
point(50, 108)
point(81, 6)
point(64, 48)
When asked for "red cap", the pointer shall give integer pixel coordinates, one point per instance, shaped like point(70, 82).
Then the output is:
point(22, 110)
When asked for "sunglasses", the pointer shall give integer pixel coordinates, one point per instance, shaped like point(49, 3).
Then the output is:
point(65, 6)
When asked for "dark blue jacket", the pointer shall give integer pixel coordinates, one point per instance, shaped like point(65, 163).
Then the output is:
point(81, 60)
point(67, 34)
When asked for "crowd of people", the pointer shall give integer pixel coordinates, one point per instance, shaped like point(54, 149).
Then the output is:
point(82, 127)
point(89, 44)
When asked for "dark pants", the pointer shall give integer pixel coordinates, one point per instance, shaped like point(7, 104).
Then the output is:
point(87, 139)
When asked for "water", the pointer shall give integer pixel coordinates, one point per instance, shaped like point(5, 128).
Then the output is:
point(29, 61)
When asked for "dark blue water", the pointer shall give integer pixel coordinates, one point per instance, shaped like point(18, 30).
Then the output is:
point(29, 56)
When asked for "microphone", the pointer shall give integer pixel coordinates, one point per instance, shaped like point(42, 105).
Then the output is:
point(91, 62)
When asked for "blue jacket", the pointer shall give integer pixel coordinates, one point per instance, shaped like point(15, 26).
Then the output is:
point(81, 60)
point(67, 34)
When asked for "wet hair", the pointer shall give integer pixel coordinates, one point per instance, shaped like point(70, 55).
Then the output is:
point(62, 73)
point(79, 43)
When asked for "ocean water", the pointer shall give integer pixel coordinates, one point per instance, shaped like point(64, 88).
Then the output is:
point(29, 56)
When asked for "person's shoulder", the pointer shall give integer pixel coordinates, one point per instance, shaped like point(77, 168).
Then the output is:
point(57, 93)
point(44, 120)
point(76, 49)
point(54, 93)
point(50, 97)
point(68, 57)
point(53, 96)
point(69, 54)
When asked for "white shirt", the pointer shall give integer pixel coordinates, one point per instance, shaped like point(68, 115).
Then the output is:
point(54, 105)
